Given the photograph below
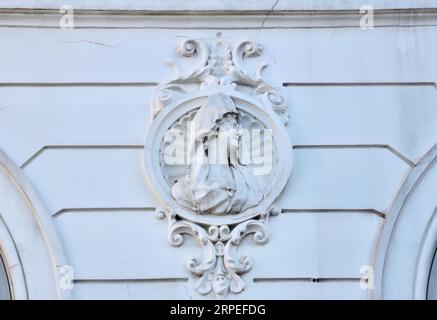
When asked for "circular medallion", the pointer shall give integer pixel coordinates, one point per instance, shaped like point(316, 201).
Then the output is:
point(217, 157)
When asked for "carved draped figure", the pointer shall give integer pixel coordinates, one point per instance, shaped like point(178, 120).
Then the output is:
point(216, 181)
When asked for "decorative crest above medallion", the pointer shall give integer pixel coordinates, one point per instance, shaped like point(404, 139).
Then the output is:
point(217, 156)
point(220, 65)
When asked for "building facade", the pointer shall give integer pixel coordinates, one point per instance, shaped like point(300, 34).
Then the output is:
point(341, 94)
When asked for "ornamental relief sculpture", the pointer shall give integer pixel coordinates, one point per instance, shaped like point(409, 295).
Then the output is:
point(217, 181)
point(217, 155)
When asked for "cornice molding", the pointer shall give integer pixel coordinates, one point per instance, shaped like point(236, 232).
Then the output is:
point(216, 19)
point(230, 5)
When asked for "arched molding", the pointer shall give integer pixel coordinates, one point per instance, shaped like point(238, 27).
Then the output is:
point(4, 283)
point(408, 239)
point(29, 244)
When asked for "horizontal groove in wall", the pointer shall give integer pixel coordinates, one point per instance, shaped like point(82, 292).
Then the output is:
point(359, 84)
point(153, 84)
point(312, 280)
point(112, 146)
point(153, 280)
point(396, 152)
point(79, 84)
point(255, 280)
point(372, 211)
point(101, 209)
point(355, 146)
point(150, 209)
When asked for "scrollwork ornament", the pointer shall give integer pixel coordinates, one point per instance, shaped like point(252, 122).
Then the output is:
point(219, 64)
point(218, 201)
point(220, 269)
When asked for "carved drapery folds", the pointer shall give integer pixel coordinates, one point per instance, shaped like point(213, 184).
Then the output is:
point(217, 156)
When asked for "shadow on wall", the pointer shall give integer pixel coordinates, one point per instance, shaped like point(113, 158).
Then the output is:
point(5, 293)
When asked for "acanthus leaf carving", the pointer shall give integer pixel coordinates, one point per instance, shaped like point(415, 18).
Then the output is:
point(220, 269)
point(220, 65)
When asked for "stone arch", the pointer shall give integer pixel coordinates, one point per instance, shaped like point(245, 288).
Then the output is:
point(408, 240)
point(432, 283)
point(5, 293)
point(29, 245)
